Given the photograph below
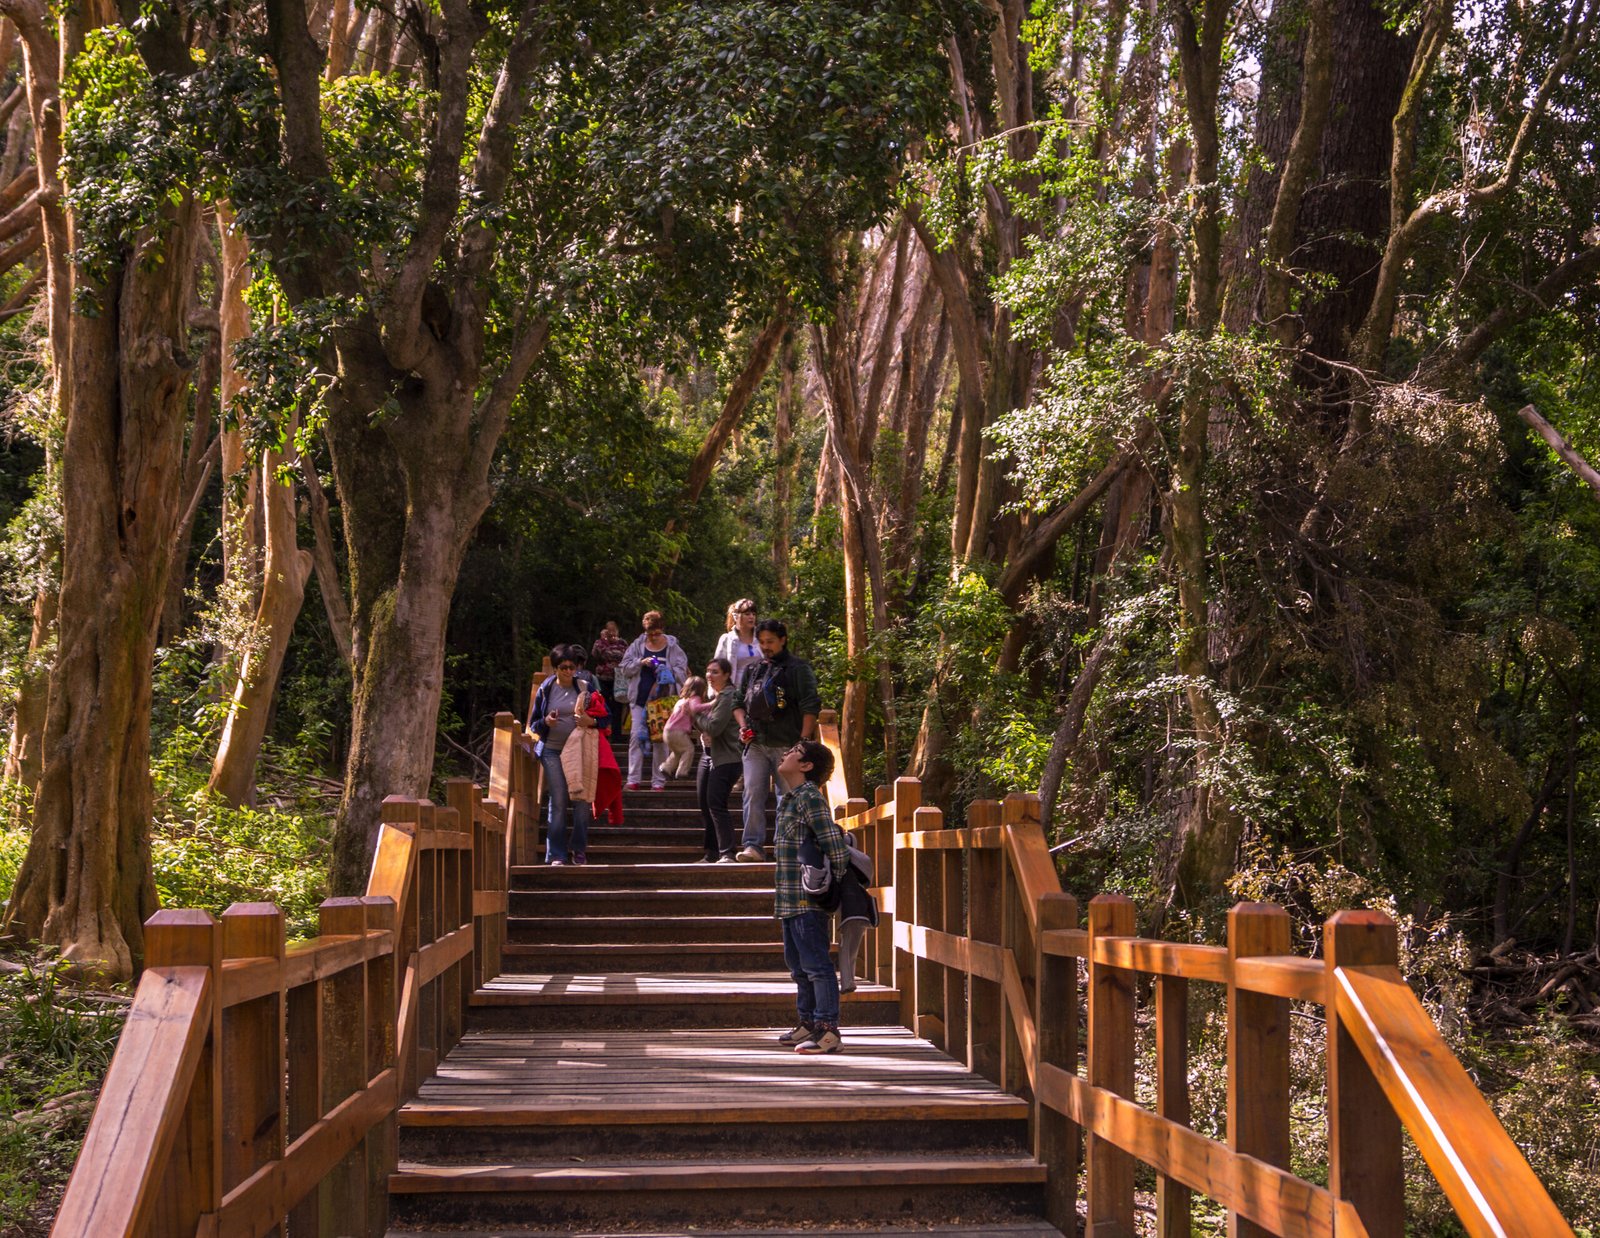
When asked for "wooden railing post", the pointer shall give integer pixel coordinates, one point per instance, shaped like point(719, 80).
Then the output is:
point(1258, 1051)
point(930, 976)
point(986, 1001)
point(907, 796)
point(883, 836)
point(1173, 1199)
point(1019, 811)
point(252, 1051)
point(342, 1195)
point(1111, 1066)
point(885, 861)
point(953, 920)
point(192, 1186)
point(382, 1052)
point(1364, 1136)
point(1055, 1015)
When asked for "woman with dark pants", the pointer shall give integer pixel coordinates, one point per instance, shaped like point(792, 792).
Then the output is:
point(722, 763)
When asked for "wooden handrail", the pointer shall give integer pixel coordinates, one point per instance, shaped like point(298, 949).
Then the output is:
point(985, 950)
point(113, 1190)
point(1483, 1174)
point(286, 1111)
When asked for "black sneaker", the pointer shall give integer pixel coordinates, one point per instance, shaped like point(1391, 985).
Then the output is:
point(801, 1032)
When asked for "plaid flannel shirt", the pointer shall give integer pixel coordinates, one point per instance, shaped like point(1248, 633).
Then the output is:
point(800, 812)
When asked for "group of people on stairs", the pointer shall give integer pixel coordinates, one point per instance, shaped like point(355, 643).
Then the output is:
point(751, 716)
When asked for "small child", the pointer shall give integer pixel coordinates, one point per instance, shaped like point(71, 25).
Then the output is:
point(679, 730)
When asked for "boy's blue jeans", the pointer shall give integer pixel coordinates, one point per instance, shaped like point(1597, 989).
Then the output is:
point(805, 950)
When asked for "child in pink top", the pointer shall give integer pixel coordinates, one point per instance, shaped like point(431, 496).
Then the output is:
point(679, 729)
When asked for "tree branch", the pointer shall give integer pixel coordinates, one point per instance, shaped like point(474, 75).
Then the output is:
point(441, 189)
point(1316, 91)
point(1586, 472)
point(1569, 274)
point(1033, 554)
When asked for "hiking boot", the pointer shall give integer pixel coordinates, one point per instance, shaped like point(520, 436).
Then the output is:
point(752, 855)
point(801, 1033)
point(823, 1040)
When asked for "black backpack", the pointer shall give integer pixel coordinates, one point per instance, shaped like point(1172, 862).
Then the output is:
point(765, 696)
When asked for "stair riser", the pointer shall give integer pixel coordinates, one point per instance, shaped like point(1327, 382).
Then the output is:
point(602, 852)
point(544, 931)
point(756, 1012)
point(672, 1208)
point(644, 877)
point(687, 834)
point(543, 960)
point(828, 1141)
point(581, 903)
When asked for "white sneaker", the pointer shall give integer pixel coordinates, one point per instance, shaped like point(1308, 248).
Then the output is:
point(752, 855)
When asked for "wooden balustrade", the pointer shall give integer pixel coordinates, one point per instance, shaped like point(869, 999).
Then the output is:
point(254, 1090)
point(986, 951)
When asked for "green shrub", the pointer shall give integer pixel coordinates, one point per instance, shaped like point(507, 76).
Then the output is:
point(56, 1042)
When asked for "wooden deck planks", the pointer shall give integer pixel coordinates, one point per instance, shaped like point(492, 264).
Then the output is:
point(720, 1074)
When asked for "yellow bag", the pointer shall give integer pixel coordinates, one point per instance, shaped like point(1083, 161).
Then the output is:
point(656, 713)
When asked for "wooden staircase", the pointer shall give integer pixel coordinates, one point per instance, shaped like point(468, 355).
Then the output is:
point(481, 1045)
point(624, 1071)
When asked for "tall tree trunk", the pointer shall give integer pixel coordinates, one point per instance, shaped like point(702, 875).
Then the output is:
point(1208, 829)
point(326, 564)
point(283, 586)
point(783, 477)
point(41, 65)
point(243, 528)
point(85, 884)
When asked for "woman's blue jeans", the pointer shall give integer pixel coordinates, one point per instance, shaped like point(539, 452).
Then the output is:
point(805, 951)
point(644, 758)
point(563, 812)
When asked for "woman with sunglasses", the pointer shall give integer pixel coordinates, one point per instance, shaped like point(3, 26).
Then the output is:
point(738, 644)
point(566, 702)
point(722, 763)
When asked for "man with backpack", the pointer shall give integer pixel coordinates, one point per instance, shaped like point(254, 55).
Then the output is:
point(781, 704)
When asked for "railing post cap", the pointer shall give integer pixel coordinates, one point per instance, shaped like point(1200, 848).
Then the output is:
point(1272, 910)
point(180, 917)
point(505, 720)
point(1360, 937)
point(254, 909)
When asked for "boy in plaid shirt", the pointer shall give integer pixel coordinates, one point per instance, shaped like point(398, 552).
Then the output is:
point(804, 811)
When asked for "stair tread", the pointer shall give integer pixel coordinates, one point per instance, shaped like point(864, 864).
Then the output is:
point(1022, 1229)
point(651, 988)
point(716, 1175)
point(709, 1075)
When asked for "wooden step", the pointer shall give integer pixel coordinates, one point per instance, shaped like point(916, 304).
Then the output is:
point(648, 834)
point(696, 956)
point(730, 1093)
point(1013, 1229)
point(707, 1191)
point(691, 876)
point(659, 1001)
point(583, 902)
point(546, 930)
point(603, 852)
